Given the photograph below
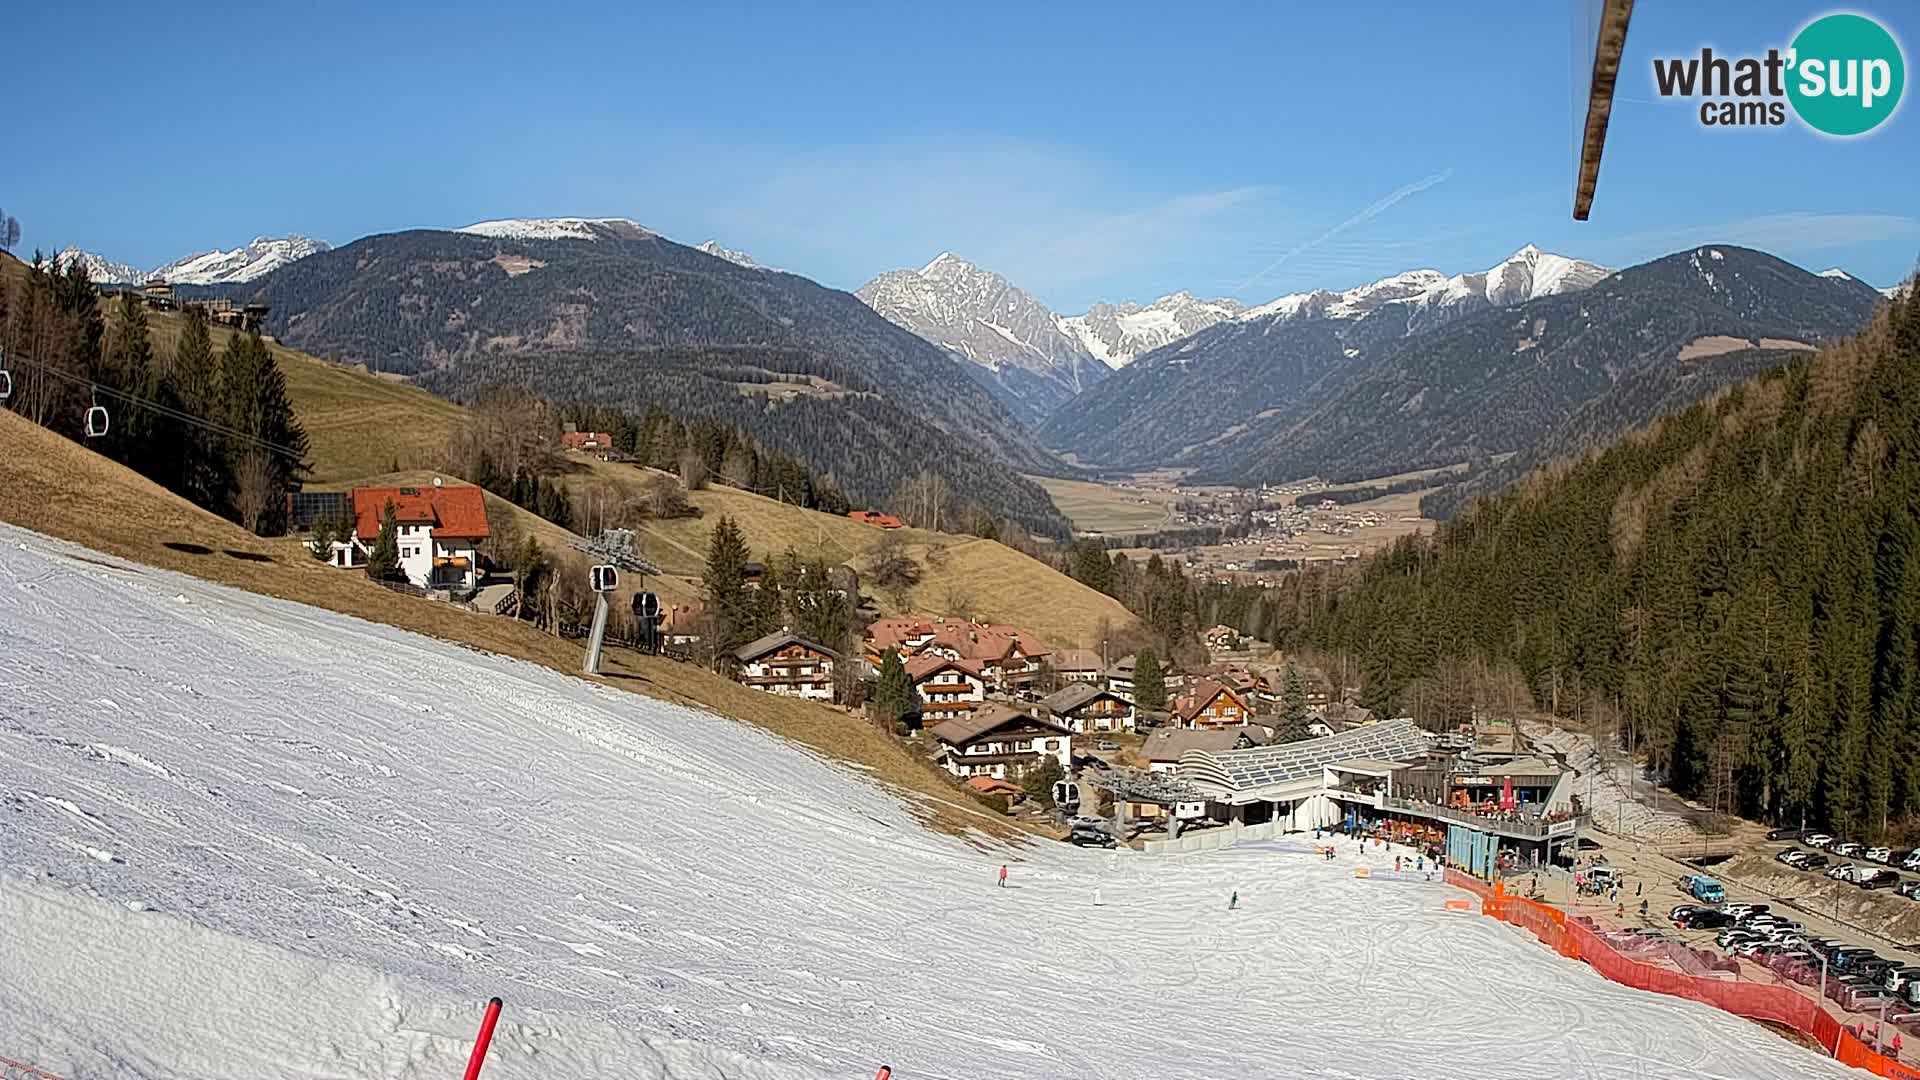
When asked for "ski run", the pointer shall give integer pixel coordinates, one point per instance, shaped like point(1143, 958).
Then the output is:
point(241, 837)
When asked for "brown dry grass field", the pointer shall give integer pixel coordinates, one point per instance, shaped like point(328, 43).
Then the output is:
point(56, 487)
point(1109, 508)
point(962, 573)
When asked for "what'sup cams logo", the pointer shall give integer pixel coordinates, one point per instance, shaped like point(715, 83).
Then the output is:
point(1842, 76)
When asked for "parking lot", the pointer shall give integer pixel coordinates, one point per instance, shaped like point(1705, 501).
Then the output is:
point(1654, 878)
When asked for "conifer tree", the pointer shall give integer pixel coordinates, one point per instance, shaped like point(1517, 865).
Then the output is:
point(1149, 682)
point(724, 583)
point(383, 560)
point(1293, 706)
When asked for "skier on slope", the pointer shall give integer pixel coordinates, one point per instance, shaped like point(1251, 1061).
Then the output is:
point(1003, 875)
point(1233, 902)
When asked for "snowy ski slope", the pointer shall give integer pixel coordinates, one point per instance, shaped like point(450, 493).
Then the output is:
point(240, 837)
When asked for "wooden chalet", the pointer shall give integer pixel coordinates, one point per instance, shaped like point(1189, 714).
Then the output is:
point(785, 663)
point(1209, 703)
point(947, 688)
point(1082, 708)
point(1001, 742)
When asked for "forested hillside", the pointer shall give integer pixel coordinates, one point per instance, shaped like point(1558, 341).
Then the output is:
point(866, 442)
point(1737, 585)
point(806, 369)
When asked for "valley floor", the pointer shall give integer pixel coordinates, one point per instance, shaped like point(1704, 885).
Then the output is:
point(244, 837)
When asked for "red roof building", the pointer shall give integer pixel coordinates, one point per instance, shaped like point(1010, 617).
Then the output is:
point(437, 531)
point(876, 519)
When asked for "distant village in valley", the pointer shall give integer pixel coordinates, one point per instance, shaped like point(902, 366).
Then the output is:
point(1050, 730)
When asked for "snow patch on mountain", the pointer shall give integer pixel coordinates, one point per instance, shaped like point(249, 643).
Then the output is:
point(1117, 333)
point(558, 228)
point(1836, 272)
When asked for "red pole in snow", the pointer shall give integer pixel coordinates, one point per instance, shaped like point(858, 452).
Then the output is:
point(886, 1071)
point(479, 1057)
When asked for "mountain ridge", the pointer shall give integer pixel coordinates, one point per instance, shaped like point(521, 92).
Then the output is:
point(252, 261)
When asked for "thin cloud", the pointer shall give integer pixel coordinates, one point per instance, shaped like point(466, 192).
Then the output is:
point(1379, 207)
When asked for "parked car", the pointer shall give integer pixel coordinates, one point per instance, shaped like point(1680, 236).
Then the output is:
point(1788, 855)
point(1898, 977)
point(1785, 834)
point(1843, 872)
point(1706, 919)
point(1909, 888)
point(1811, 862)
point(1682, 909)
point(1877, 879)
point(1740, 910)
point(1106, 745)
point(1899, 856)
point(1865, 999)
point(1841, 961)
point(1879, 854)
point(1875, 969)
point(1819, 840)
point(1911, 862)
point(1849, 850)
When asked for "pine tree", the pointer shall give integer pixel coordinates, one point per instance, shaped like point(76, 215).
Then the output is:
point(1149, 683)
point(894, 697)
point(269, 452)
point(1293, 706)
point(383, 561)
point(204, 476)
point(724, 583)
point(127, 364)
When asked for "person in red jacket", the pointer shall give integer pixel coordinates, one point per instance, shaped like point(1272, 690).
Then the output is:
point(1003, 875)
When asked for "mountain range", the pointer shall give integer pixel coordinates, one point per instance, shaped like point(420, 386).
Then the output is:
point(260, 257)
point(1188, 399)
point(606, 311)
point(1537, 355)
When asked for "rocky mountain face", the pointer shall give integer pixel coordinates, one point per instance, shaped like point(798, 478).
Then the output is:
point(1010, 342)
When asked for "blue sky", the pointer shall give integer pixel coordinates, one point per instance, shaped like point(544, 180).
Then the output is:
point(1115, 151)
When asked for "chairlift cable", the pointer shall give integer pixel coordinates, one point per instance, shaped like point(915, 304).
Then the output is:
point(97, 389)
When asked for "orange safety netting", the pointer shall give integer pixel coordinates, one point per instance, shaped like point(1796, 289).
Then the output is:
point(1756, 1001)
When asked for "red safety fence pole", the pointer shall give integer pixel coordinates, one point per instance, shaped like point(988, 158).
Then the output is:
point(480, 1044)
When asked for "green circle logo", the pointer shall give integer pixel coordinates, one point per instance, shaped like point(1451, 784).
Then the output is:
point(1847, 74)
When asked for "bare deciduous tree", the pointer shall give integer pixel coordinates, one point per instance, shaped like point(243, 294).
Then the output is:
point(253, 489)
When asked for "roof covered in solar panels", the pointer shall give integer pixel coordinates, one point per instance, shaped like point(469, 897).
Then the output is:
point(1240, 770)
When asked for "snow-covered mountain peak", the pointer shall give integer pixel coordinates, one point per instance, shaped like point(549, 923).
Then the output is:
point(99, 269)
point(1117, 333)
point(1836, 272)
point(559, 228)
point(946, 264)
point(738, 258)
point(262, 256)
point(1527, 274)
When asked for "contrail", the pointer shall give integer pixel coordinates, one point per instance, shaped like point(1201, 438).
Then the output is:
point(1378, 208)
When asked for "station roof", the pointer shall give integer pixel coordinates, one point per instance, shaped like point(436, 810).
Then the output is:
point(1239, 772)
